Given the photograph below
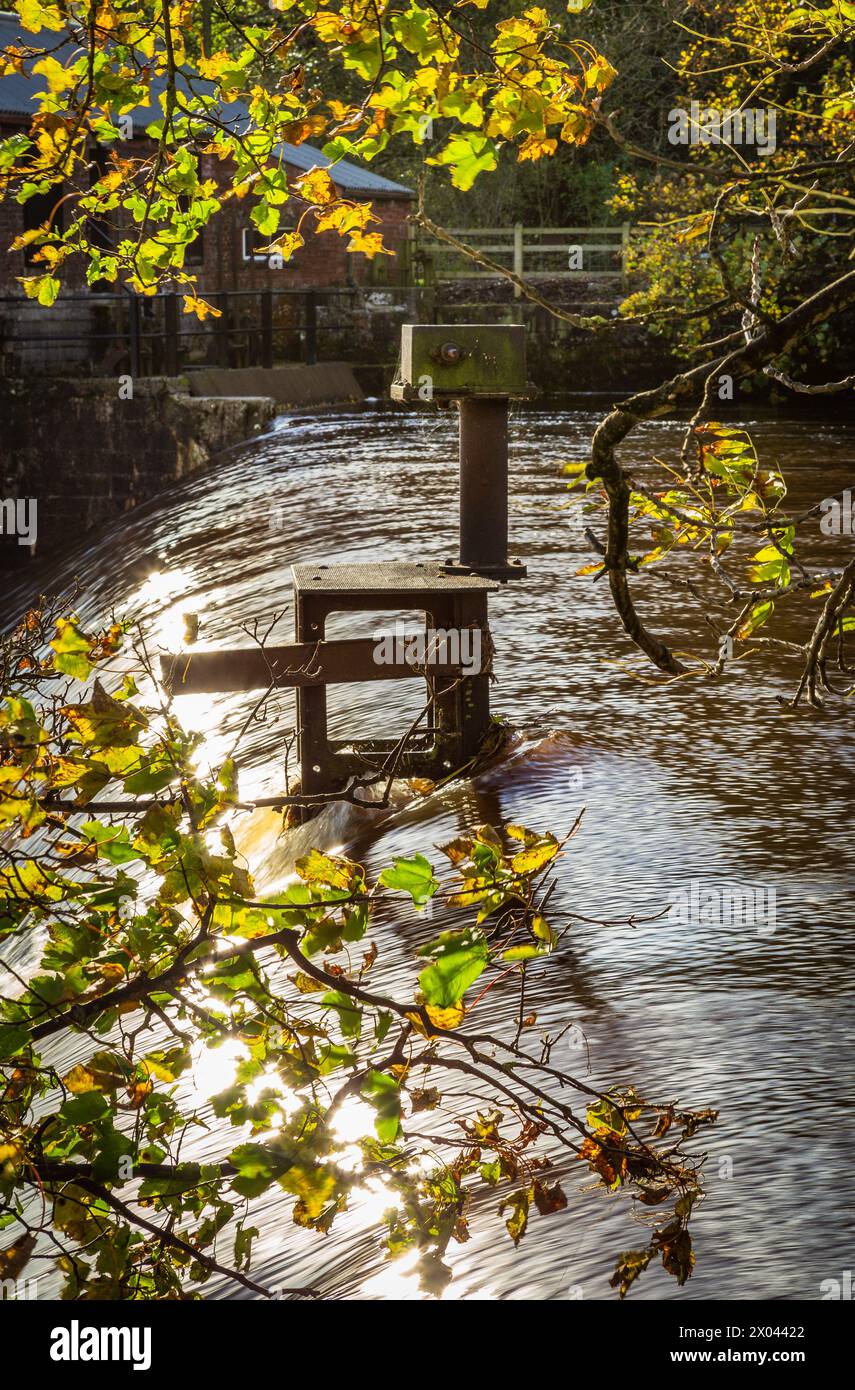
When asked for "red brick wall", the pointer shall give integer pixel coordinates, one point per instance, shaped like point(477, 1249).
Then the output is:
point(12, 263)
point(323, 261)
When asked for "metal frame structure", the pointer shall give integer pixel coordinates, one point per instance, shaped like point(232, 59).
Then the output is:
point(481, 367)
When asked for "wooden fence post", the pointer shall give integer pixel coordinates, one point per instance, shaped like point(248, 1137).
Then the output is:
point(624, 252)
point(519, 256)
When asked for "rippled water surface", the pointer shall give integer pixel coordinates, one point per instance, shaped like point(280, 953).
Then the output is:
point(710, 782)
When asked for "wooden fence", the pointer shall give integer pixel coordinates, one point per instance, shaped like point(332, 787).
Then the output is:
point(558, 252)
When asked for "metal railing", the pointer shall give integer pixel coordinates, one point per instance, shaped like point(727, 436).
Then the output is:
point(151, 336)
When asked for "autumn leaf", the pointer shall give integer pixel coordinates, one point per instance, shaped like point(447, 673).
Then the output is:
point(369, 244)
point(200, 307)
point(316, 187)
point(535, 147)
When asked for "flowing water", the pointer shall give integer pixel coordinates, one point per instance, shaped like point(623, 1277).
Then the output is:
point(712, 783)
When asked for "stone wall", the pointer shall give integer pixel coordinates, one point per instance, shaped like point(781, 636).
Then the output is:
point(86, 455)
point(292, 387)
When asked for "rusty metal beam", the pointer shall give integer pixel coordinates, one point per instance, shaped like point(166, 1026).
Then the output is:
point(299, 664)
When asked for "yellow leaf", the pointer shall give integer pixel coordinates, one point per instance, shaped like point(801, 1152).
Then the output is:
point(316, 187)
point(369, 243)
point(306, 984)
point(600, 74)
point(58, 77)
point(541, 929)
point(346, 217)
point(157, 1070)
point(35, 16)
point(446, 1019)
point(286, 245)
point(12, 60)
point(577, 127)
point(80, 1080)
point(535, 147)
point(15, 1257)
point(200, 307)
point(529, 860)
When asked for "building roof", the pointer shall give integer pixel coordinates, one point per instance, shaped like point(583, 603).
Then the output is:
point(17, 93)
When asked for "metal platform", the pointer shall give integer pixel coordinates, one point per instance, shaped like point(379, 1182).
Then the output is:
point(398, 576)
point(459, 705)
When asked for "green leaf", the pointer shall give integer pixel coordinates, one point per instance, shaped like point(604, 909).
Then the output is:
point(468, 156)
point(71, 648)
point(113, 841)
point(382, 1024)
point(349, 1012)
point(445, 982)
point(257, 1169)
point(12, 1038)
point(414, 876)
point(82, 1110)
point(760, 613)
point(384, 1093)
point(112, 1146)
point(334, 1055)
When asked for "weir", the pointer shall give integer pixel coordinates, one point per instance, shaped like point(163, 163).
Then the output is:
point(479, 368)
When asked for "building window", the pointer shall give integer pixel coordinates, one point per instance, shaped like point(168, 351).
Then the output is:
point(37, 211)
point(195, 253)
point(251, 242)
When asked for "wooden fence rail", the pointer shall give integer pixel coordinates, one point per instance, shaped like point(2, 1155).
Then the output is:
point(559, 252)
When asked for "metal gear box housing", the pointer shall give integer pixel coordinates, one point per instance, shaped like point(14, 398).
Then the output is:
point(450, 361)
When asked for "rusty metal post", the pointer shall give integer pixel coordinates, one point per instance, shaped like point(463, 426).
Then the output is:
point(484, 482)
point(480, 367)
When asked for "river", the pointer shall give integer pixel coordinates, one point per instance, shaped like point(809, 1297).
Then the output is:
point(707, 782)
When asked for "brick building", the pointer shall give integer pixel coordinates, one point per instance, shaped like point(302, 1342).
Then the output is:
point(225, 258)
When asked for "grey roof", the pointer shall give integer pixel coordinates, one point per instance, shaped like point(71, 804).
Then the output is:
point(17, 92)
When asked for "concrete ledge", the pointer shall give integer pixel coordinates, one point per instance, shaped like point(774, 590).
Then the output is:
point(326, 383)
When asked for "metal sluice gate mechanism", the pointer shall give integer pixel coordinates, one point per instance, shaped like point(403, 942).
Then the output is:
point(481, 368)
